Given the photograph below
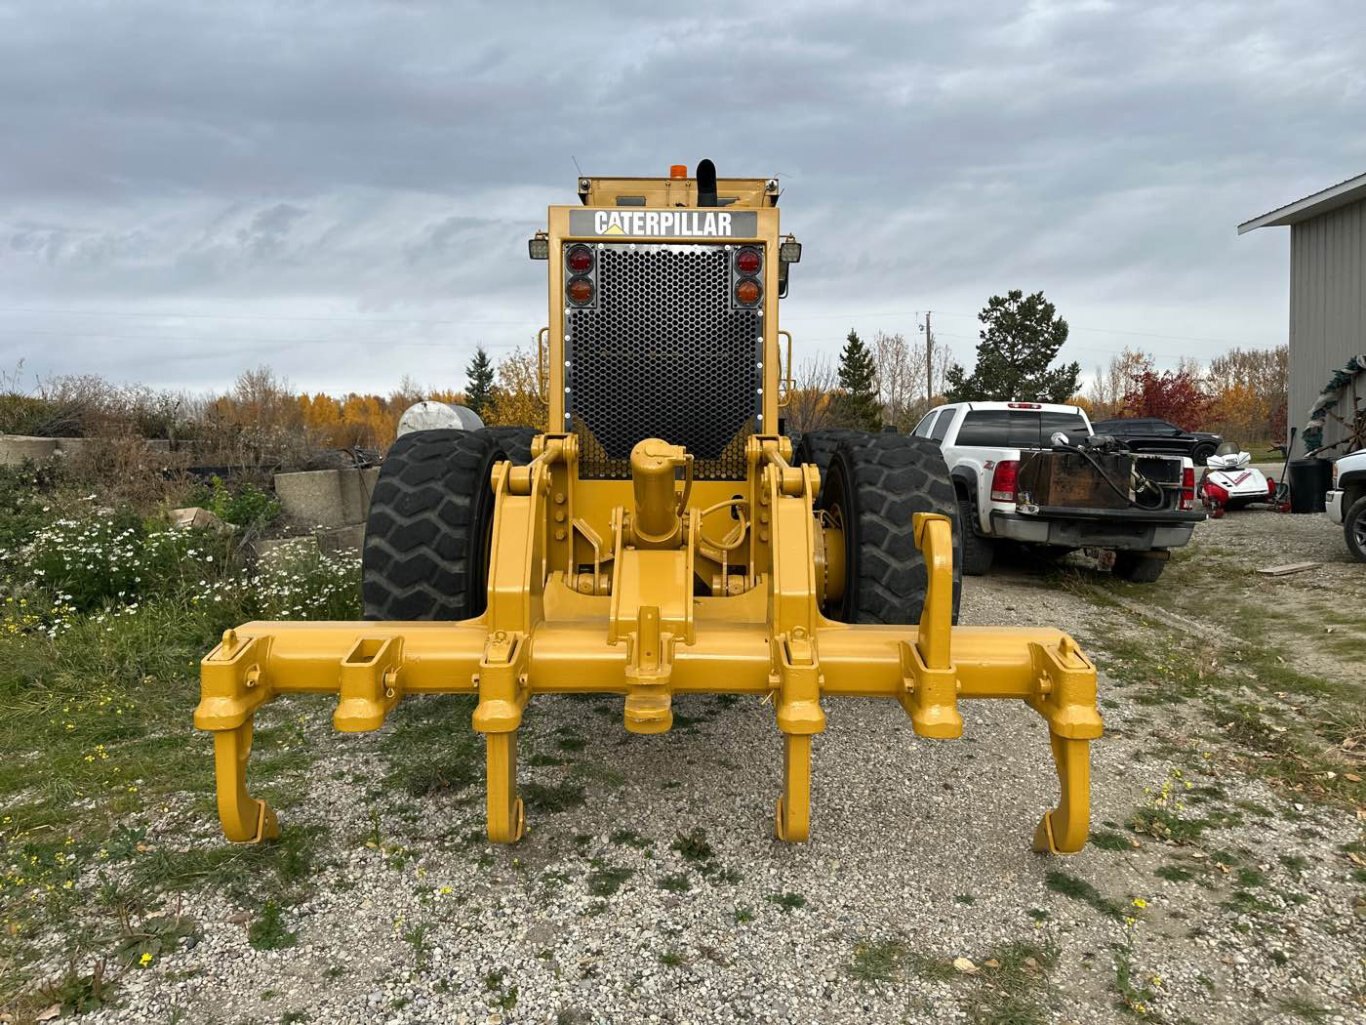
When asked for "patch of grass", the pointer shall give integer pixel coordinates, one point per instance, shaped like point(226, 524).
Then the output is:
point(1167, 824)
point(571, 743)
point(1303, 1008)
point(787, 901)
point(693, 846)
point(878, 961)
point(416, 937)
point(630, 838)
point(553, 797)
point(1244, 902)
point(965, 898)
point(505, 998)
point(268, 931)
point(608, 879)
point(677, 883)
point(743, 915)
point(672, 959)
point(431, 747)
point(1068, 885)
point(1135, 996)
point(1013, 985)
point(1107, 840)
point(78, 992)
point(1173, 873)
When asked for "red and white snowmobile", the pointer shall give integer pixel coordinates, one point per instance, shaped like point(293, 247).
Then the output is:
point(1231, 482)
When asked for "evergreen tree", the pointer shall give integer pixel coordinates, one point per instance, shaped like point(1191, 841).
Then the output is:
point(1020, 338)
point(857, 404)
point(479, 374)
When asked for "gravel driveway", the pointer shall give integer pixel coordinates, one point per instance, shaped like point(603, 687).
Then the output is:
point(664, 896)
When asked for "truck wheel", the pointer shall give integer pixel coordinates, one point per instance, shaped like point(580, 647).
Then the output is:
point(1201, 453)
point(1354, 527)
point(818, 448)
point(978, 552)
point(876, 483)
point(1138, 568)
point(426, 551)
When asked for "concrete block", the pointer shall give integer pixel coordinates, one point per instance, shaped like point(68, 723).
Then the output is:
point(15, 448)
point(368, 478)
point(193, 516)
point(324, 498)
point(74, 446)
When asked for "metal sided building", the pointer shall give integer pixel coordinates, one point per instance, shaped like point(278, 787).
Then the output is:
point(1327, 289)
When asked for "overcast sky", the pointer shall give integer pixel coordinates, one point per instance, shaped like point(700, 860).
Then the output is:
point(343, 190)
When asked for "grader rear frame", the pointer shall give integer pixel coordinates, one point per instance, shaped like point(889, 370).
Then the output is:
point(504, 563)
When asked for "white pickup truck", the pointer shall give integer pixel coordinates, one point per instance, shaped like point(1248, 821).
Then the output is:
point(1014, 484)
point(1346, 502)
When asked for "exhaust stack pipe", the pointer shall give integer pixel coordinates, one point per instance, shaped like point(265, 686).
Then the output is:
point(706, 183)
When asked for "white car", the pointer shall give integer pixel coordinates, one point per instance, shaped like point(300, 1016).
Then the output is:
point(1346, 501)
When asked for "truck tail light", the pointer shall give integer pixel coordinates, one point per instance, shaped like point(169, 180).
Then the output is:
point(1187, 489)
point(1004, 480)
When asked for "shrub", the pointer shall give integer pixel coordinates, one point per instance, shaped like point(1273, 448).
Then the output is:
point(88, 563)
point(245, 506)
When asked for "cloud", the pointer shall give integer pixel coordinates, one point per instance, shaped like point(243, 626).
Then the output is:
point(345, 189)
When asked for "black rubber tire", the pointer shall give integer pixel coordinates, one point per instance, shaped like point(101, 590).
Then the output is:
point(978, 552)
point(877, 482)
point(426, 547)
point(1137, 568)
point(1201, 453)
point(515, 441)
point(1354, 529)
point(818, 447)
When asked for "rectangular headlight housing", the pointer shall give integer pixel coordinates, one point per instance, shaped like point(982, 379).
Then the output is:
point(538, 247)
point(790, 251)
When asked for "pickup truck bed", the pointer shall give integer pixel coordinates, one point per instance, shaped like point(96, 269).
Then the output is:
point(1014, 485)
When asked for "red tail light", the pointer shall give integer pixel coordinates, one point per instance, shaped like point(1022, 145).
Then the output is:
point(1004, 480)
point(580, 291)
point(747, 292)
point(1187, 489)
point(580, 260)
point(748, 261)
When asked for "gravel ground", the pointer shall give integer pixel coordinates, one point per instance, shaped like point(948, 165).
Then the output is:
point(919, 855)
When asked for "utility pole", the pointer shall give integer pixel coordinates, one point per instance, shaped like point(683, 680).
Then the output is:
point(929, 362)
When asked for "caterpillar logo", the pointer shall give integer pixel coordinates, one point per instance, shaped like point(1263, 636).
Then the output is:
point(664, 223)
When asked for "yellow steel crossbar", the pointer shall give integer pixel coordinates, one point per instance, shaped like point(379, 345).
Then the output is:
point(372, 665)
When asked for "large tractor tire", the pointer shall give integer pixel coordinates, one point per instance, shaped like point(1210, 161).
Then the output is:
point(426, 553)
point(818, 448)
point(875, 485)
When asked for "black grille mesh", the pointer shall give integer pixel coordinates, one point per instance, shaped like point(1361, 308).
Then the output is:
point(664, 355)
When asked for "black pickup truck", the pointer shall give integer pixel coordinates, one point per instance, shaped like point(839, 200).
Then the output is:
point(1147, 434)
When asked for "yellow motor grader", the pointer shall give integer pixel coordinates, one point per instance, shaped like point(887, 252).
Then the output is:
point(662, 536)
